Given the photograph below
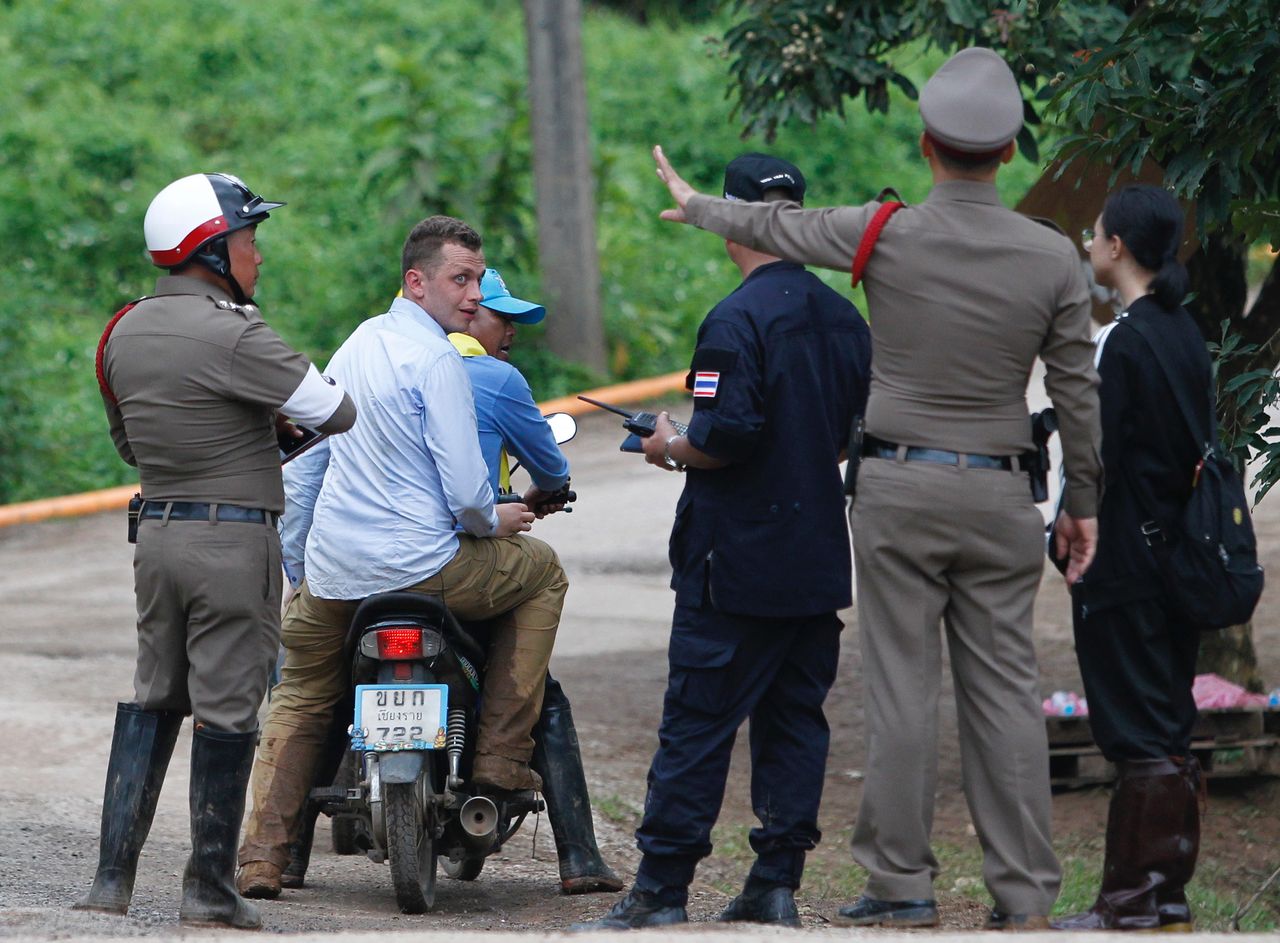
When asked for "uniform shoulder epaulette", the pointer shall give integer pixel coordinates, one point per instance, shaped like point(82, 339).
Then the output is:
point(247, 310)
point(1046, 221)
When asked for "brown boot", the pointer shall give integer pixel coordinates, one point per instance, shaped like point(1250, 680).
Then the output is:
point(260, 879)
point(1146, 849)
point(1171, 898)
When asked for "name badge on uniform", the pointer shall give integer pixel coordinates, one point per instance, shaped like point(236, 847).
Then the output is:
point(706, 383)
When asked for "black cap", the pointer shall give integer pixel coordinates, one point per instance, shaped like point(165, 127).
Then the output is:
point(749, 176)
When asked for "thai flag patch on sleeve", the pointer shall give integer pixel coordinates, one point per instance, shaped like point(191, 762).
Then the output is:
point(706, 383)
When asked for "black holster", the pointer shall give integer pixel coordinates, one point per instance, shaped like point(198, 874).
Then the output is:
point(1043, 425)
point(135, 509)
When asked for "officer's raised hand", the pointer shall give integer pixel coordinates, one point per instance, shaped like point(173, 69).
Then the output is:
point(680, 191)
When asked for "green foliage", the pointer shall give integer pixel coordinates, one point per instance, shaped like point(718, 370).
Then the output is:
point(364, 115)
point(1245, 402)
point(1196, 87)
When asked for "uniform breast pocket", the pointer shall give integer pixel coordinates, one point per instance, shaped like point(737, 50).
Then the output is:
point(702, 672)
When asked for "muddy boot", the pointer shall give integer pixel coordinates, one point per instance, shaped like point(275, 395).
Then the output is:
point(220, 764)
point(1146, 845)
point(140, 751)
point(557, 760)
point(295, 872)
point(1171, 898)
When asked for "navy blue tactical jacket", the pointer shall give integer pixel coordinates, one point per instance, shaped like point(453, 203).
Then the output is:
point(780, 370)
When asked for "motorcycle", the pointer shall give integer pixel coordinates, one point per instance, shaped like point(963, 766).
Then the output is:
point(402, 794)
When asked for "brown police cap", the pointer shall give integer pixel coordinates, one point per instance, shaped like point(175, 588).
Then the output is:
point(972, 104)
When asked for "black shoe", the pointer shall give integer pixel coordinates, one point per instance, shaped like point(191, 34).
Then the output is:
point(557, 759)
point(999, 920)
point(140, 752)
point(869, 912)
point(220, 764)
point(637, 910)
point(775, 905)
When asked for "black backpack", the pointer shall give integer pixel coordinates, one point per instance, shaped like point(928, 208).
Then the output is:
point(1208, 557)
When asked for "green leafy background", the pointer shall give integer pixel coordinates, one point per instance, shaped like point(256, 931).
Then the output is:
point(364, 116)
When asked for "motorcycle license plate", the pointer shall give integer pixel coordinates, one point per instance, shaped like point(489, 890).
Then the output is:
point(402, 716)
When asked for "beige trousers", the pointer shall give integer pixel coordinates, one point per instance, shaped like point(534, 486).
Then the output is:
point(937, 544)
point(515, 581)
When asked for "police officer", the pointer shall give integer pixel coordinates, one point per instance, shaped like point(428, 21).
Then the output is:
point(760, 565)
point(963, 295)
point(195, 385)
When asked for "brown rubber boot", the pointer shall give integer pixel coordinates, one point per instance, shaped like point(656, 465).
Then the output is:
point(1146, 849)
point(1171, 898)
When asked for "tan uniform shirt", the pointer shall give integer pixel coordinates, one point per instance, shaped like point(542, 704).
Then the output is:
point(198, 380)
point(963, 295)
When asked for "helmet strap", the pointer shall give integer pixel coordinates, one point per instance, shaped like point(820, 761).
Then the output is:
point(214, 256)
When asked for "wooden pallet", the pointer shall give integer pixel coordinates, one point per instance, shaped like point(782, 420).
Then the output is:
point(1228, 743)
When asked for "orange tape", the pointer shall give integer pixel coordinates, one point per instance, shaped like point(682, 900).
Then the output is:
point(111, 499)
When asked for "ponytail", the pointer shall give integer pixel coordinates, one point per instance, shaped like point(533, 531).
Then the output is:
point(1171, 283)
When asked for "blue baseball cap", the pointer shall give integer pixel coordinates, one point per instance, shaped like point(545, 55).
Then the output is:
point(497, 297)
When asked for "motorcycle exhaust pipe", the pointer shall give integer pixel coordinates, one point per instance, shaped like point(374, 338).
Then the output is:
point(479, 820)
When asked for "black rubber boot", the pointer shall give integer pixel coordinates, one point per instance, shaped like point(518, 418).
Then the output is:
point(220, 765)
point(140, 752)
point(558, 761)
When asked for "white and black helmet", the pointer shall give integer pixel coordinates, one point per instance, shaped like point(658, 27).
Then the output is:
point(187, 220)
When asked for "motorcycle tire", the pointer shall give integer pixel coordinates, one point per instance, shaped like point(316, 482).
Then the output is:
point(411, 849)
point(462, 869)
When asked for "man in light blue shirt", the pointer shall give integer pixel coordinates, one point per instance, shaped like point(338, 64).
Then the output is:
point(510, 422)
point(382, 512)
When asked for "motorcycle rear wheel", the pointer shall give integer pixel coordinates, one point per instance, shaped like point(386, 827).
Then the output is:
point(463, 869)
point(411, 849)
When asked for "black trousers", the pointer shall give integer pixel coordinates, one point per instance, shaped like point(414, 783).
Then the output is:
point(726, 669)
point(1138, 661)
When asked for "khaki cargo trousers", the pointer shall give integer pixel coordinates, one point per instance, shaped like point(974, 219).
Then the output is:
point(517, 582)
point(962, 548)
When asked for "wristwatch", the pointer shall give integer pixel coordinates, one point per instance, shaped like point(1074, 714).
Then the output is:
point(666, 456)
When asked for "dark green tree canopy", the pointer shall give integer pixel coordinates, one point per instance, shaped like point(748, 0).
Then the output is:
point(1195, 86)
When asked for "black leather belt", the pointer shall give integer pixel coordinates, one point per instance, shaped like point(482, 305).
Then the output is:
point(878, 448)
point(198, 511)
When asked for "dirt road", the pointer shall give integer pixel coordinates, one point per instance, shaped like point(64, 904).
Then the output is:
point(66, 655)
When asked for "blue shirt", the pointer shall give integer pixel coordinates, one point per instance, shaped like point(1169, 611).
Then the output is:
point(377, 506)
point(781, 368)
point(507, 416)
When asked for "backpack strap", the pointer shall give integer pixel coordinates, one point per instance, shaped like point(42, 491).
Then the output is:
point(1152, 528)
point(870, 236)
point(1205, 443)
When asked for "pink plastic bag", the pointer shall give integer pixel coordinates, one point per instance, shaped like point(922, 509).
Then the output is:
point(1215, 693)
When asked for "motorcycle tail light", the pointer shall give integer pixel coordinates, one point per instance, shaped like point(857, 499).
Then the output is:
point(398, 643)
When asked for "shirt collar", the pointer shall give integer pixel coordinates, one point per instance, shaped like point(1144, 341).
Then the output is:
point(467, 345)
point(964, 191)
point(414, 312)
point(188, 285)
point(780, 265)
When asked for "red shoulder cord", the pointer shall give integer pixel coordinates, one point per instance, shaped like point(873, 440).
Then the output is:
point(869, 237)
point(102, 349)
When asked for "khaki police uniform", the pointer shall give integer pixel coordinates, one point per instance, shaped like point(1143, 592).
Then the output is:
point(963, 295)
point(197, 380)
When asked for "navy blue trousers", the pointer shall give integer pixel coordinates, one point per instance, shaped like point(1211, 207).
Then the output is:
point(725, 669)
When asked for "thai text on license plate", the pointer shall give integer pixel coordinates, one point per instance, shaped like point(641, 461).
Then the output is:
point(403, 716)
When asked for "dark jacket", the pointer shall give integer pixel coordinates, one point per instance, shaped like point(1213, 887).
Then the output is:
point(781, 367)
point(1148, 453)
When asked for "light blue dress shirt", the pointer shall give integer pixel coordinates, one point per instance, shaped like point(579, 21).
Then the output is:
point(507, 416)
point(376, 507)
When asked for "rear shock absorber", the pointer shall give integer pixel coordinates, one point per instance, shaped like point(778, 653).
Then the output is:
point(454, 741)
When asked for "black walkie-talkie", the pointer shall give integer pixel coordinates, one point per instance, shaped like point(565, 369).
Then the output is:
point(640, 425)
